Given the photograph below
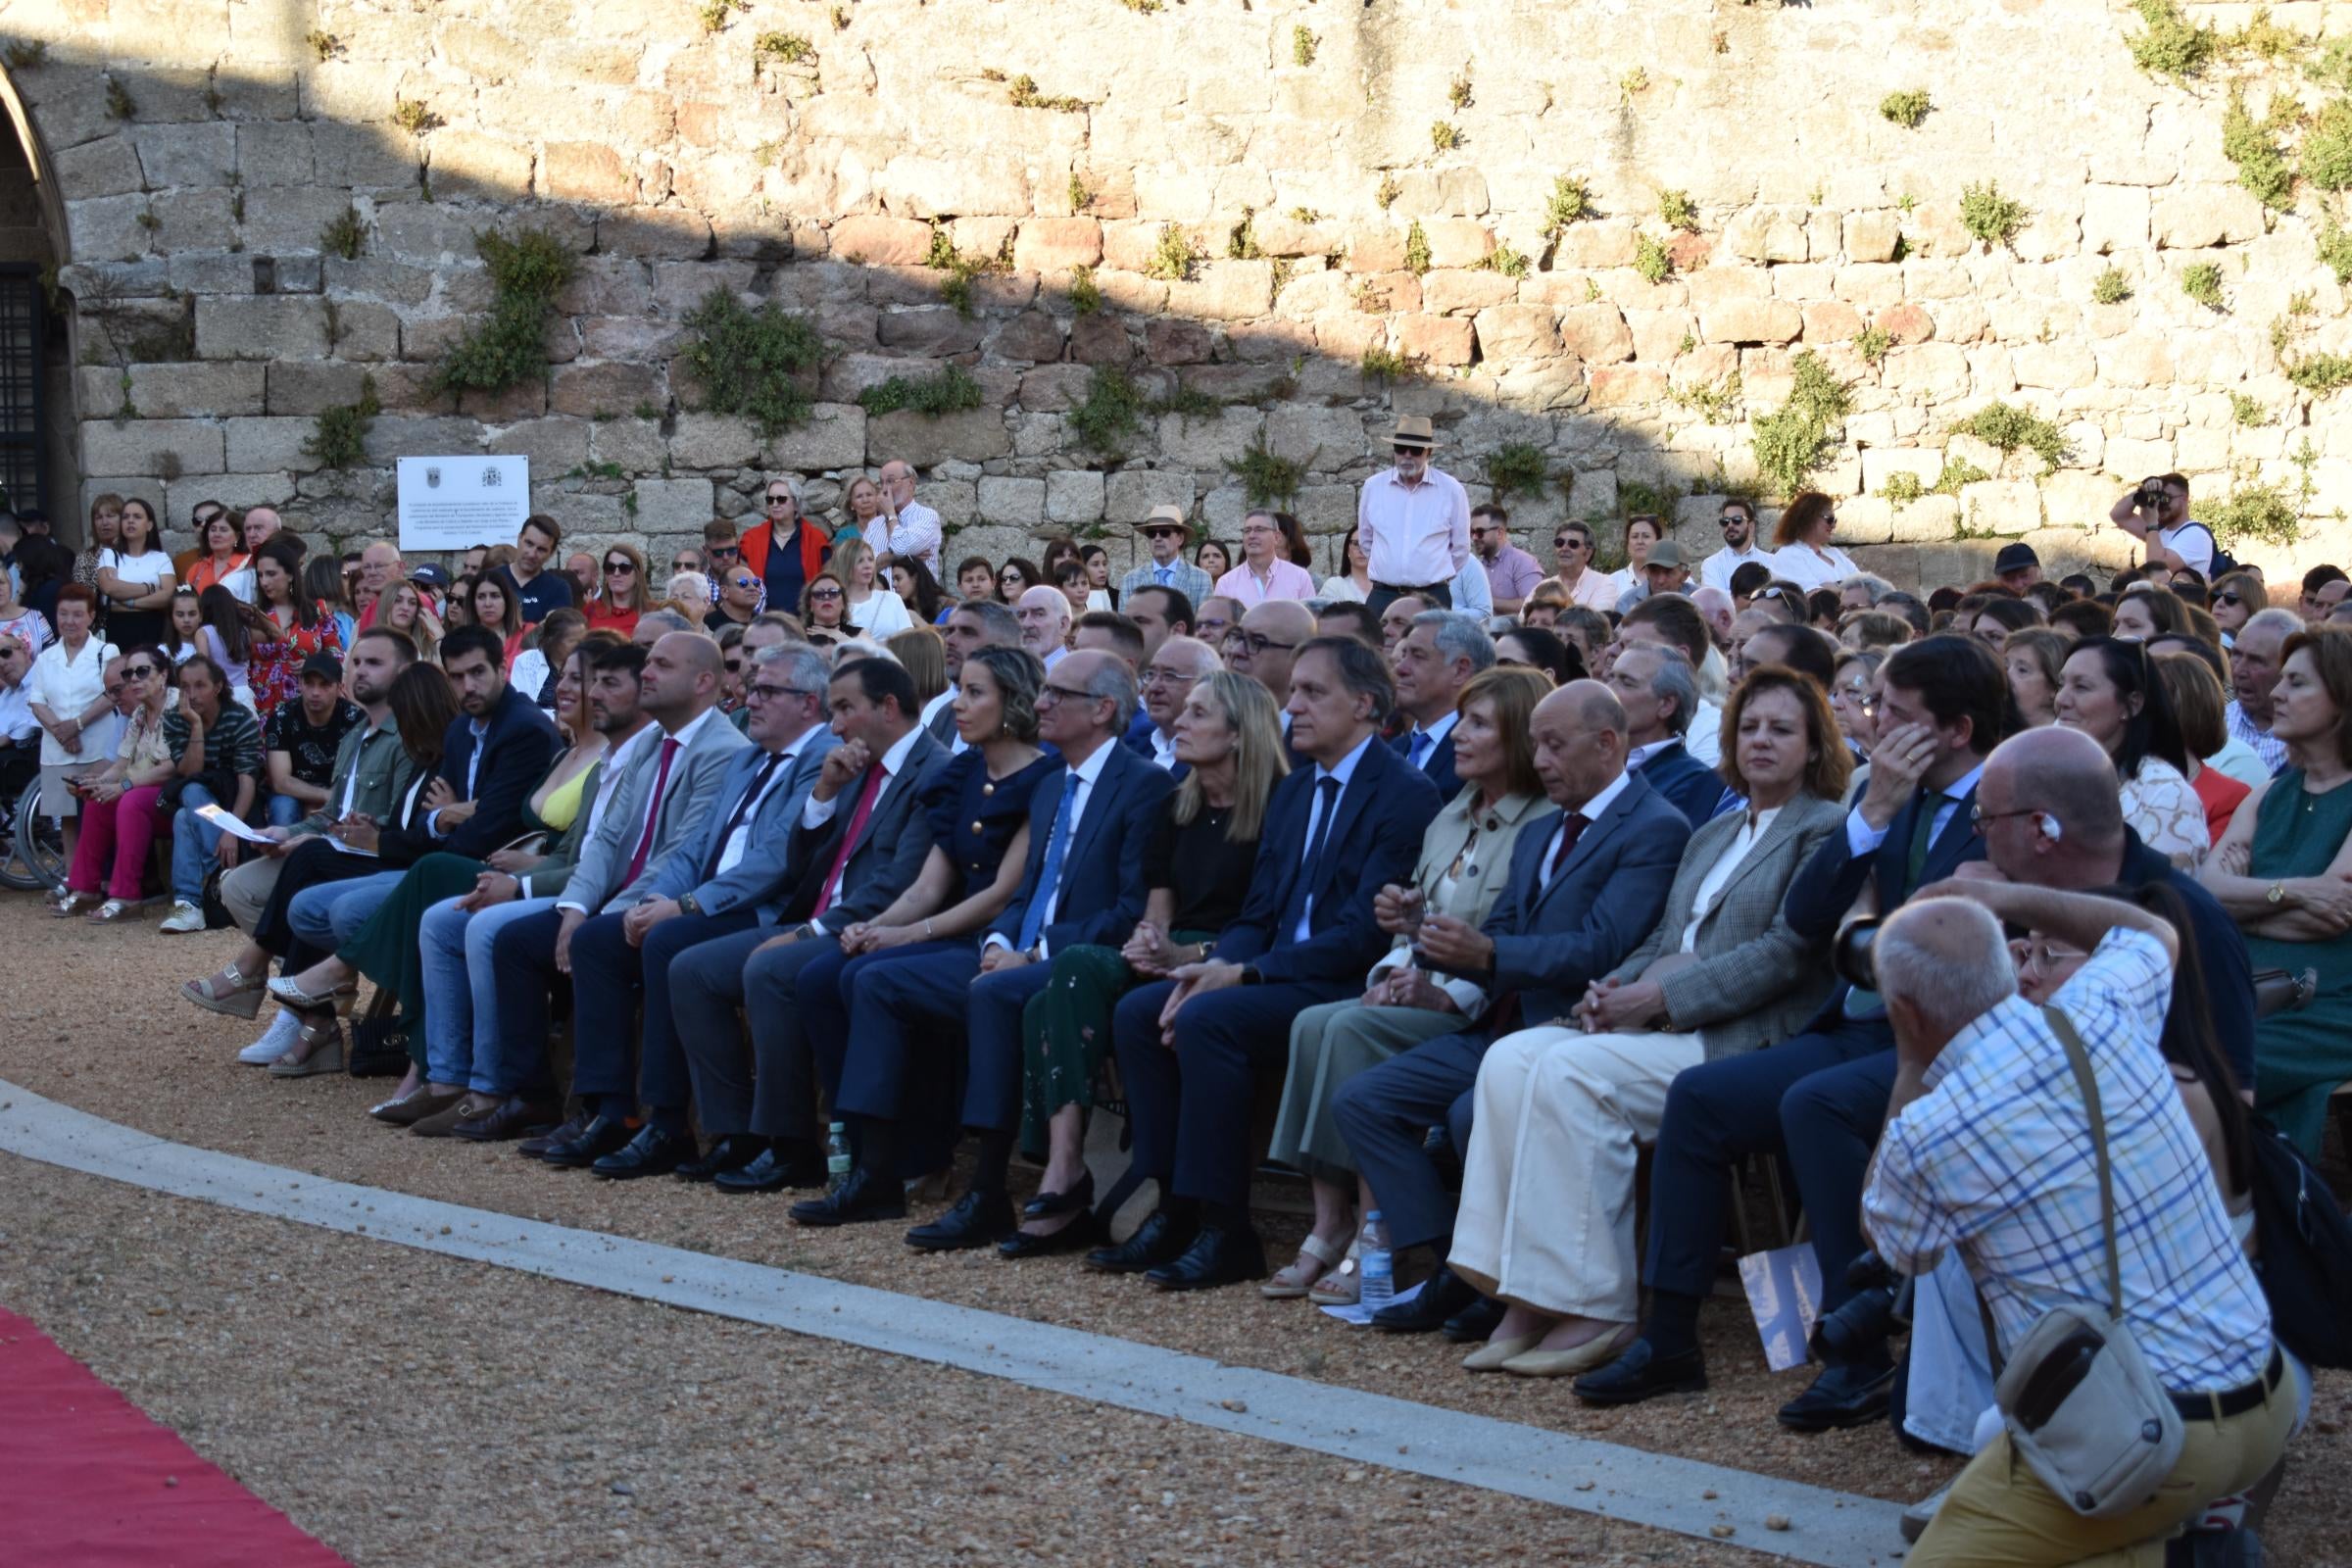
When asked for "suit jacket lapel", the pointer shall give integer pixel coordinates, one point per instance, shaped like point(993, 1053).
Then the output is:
point(1100, 804)
point(1589, 839)
point(1782, 825)
point(1943, 856)
point(1360, 785)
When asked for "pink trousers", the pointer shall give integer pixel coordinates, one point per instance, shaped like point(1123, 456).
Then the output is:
point(118, 833)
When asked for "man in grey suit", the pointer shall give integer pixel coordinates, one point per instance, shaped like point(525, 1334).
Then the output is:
point(717, 880)
point(665, 790)
point(862, 838)
point(1585, 887)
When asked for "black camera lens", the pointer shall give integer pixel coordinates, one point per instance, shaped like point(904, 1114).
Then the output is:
point(1851, 955)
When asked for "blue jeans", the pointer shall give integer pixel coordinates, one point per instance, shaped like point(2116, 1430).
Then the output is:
point(195, 845)
point(285, 811)
point(325, 916)
point(461, 1010)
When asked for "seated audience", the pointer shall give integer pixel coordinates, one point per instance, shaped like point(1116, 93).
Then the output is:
point(301, 739)
point(121, 814)
point(2107, 691)
point(215, 744)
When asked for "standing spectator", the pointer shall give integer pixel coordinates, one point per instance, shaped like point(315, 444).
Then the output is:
point(2017, 566)
point(1353, 585)
point(1212, 557)
point(862, 504)
point(2034, 660)
point(975, 578)
point(873, 608)
point(106, 532)
point(2155, 511)
point(1736, 518)
point(786, 550)
point(301, 739)
point(1263, 574)
point(1071, 576)
point(1806, 557)
point(1415, 520)
point(135, 577)
point(260, 525)
point(580, 567)
point(622, 598)
point(18, 620)
point(496, 609)
point(216, 745)
point(918, 591)
point(906, 527)
point(1588, 586)
point(1534, 647)
point(120, 800)
point(722, 549)
point(1098, 576)
point(323, 585)
point(225, 634)
point(1044, 616)
point(531, 586)
point(1642, 535)
point(68, 694)
point(1165, 532)
point(2316, 583)
point(1511, 573)
point(1016, 577)
point(2254, 659)
point(412, 615)
point(2284, 873)
point(223, 561)
point(2108, 692)
point(689, 558)
point(380, 570)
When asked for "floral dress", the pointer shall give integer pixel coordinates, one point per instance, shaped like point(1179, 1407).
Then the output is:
point(276, 667)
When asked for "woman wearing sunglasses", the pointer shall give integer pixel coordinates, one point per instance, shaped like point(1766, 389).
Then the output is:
point(118, 803)
point(621, 595)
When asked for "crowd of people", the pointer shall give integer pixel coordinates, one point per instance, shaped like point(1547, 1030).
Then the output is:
point(1480, 879)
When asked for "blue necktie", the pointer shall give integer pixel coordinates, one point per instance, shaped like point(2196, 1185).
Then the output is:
point(1167, 575)
point(1049, 876)
point(1417, 749)
point(1303, 899)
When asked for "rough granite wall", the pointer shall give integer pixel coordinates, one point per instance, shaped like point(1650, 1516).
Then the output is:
point(196, 150)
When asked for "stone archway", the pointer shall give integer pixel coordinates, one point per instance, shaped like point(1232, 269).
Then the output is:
point(36, 361)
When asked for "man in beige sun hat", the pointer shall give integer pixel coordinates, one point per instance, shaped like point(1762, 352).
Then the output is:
point(1166, 532)
point(1415, 523)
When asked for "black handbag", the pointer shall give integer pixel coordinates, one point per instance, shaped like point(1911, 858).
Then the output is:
point(2303, 1252)
point(379, 1046)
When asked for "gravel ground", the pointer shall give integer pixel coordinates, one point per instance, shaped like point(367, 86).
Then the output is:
point(173, 1074)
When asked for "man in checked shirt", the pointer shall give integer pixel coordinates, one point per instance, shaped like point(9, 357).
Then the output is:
point(1987, 1149)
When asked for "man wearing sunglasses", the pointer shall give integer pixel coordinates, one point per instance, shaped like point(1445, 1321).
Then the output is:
point(1572, 568)
point(1414, 518)
point(783, 551)
point(1738, 520)
point(1166, 532)
point(738, 600)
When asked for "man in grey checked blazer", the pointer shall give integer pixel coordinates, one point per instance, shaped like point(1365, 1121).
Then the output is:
point(1166, 532)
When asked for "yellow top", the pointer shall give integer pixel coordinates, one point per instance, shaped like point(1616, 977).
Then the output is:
point(562, 804)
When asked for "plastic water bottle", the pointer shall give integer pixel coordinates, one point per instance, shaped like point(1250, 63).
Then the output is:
point(837, 1157)
point(1375, 1268)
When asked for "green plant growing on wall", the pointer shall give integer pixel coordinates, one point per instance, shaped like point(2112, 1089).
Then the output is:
point(1305, 215)
point(1873, 342)
point(1085, 295)
point(1388, 191)
point(1905, 109)
point(1241, 245)
point(414, 115)
point(1902, 487)
point(1506, 261)
point(1443, 137)
point(1989, 214)
point(2328, 149)
point(2112, 287)
point(751, 364)
point(1171, 260)
point(1383, 364)
point(962, 268)
point(346, 236)
point(1715, 402)
point(1635, 82)
point(1958, 473)
point(1788, 441)
point(2169, 44)
point(118, 101)
point(1651, 259)
point(1144, 8)
point(1303, 45)
point(149, 221)
point(341, 437)
point(2255, 511)
point(950, 391)
point(324, 46)
point(841, 19)
point(1265, 478)
point(2322, 373)
point(2203, 283)
point(1571, 201)
point(1518, 467)
point(1021, 92)
point(2248, 410)
point(2334, 248)
point(1416, 249)
point(1678, 211)
point(25, 54)
point(2334, 66)
point(2005, 427)
point(1459, 92)
point(1111, 411)
point(789, 47)
point(1080, 196)
point(527, 274)
point(717, 14)
point(2253, 146)
point(1188, 403)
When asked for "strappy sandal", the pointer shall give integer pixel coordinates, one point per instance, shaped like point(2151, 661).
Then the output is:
point(1338, 1287)
point(293, 996)
point(68, 902)
point(231, 992)
point(318, 1049)
point(1299, 1278)
point(110, 912)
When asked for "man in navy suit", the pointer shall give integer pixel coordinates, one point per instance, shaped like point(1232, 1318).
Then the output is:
point(1168, 678)
point(1083, 883)
point(1945, 706)
point(1586, 884)
point(1660, 692)
point(496, 752)
point(1433, 661)
point(1336, 833)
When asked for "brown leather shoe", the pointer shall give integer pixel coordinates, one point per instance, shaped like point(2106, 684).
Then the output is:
point(464, 1107)
point(511, 1117)
point(416, 1108)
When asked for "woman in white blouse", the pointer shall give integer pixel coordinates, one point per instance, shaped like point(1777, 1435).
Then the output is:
point(2107, 691)
point(1547, 1222)
point(1804, 554)
point(872, 609)
point(1356, 583)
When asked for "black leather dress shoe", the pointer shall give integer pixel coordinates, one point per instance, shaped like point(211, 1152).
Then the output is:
point(862, 1197)
point(731, 1153)
point(510, 1117)
point(1444, 1294)
point(1217, 1256)
point(1080, 1232)
point(1476, 1322)
point(979, 1218)
point(604, 1135)
point(536, 1147)
point(1640, 1373)
point(1841, 1396)
point(652, 1152)
point(1159, 1239)
point(771, 1171)
point(1078, 1200)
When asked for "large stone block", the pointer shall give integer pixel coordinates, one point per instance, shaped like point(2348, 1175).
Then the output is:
point(261, 445)
point(312, 387)
point(2196, 217)
point(1751, 321)
point(186, 154)
point(604, 388)
point(1013, 501)
point(467, 163)
point(673, 506)
point(831, 438)
point(713, 441)
point(1508, 332)
point(2115, 218)
point(1464, 289)
point(971, 435)
point(1871, 236)
point(1597, 334)
point(1074, 496)
point(1051, 246)
point(1457, 241)
point(1225, 291)
point(109, 167)
point(938, 331)
point(881, 241)
point(394, 436)
point(1130, 493)
point(274, 327)
point(1209, 444)
point(160, 447)
point(1438, 341)
point(186, 391)
point(555, 445)
point(585, 171)
point(1321, 440)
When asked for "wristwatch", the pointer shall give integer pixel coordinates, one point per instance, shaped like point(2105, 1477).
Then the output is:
point(2278, 893)
point(688, 904)
point(1250, 975)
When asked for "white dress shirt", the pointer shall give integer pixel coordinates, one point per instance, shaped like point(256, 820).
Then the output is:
point(1704, 739)
point(1414, 534)
point(655, 735)
point(1716, 570)
point(1344, 772)
point(1861, 838)
point(1437, 734)
point(739, 842)
point(1163, 748)
point(1720, 873)
point(1087, 773)
point(816, 813)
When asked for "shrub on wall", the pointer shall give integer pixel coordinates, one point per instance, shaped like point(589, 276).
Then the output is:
point(750, 362)
point(527, 274)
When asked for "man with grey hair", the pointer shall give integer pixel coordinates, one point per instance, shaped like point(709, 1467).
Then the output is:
point(2256, 660)
point(1435, 658)
point(1168, 679)
point(970, 626)
point(1862, 591)
point(1044, 614)
point(379, 570)
point(904, 527)
point(654, 624)
point(1659, 691)
point(1994, 1102)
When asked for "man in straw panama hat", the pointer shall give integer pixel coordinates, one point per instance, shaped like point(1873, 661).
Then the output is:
point(1167, 533)
point(1415, 521)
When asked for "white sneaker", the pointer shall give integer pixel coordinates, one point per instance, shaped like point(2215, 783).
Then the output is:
point(278, 1039)
point(185, 918)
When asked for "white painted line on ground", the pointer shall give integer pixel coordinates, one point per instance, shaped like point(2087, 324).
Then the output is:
point(1833, 1529)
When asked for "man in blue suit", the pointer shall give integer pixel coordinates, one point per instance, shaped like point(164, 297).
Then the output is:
point(1083, 883)
point(1586, 885)
point(1944, 706)
point(718, 879)
point(1661, 692)
point(1336, 833)
point(496, 754)
point(1440, 653)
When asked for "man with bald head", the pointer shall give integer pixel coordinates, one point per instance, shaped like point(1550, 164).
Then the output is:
point(905, 529)
point(665, 782)
point(1266, 644)
point(1586, 886)
point(1168, 679)
point(380, 570)
point(1044, 613)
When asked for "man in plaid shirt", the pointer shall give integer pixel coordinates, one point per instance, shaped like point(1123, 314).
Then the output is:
point(1987, 1147)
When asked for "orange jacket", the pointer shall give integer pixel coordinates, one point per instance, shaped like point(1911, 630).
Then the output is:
point(816, 543)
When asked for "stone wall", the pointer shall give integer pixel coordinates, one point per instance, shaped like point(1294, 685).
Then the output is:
point(198, 150)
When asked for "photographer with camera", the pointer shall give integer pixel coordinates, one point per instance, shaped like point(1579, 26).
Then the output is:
point(2118, 1429)
point(2156, 513)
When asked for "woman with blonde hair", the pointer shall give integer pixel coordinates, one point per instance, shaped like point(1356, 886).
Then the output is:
point(1465, 865)
point(872, 608)
point(920, 652)
point(1197, 869)
point(623, 593)
point(862, 498)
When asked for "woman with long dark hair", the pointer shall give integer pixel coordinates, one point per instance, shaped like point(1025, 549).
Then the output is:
point(2107, 690)
point(496, 606)
point(136, 579)
point(918, 590)
point(224, 561)
point(288, 625)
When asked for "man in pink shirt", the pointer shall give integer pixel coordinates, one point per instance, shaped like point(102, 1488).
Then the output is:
point(1263, 573)
point(1415, 520)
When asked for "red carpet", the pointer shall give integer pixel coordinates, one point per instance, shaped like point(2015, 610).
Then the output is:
point(88, 1481)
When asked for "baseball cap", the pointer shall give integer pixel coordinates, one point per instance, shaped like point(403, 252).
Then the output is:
point(431, 575)
point(2015, 557)
point(327, 666)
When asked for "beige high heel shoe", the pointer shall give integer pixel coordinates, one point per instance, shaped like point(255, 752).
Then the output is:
point(317, 1049)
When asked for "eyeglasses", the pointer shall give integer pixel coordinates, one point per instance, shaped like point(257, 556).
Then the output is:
point(1048, 694)
point(779, 501)
point(813, 593)
point(2045, 955)
point(620, 568)
point(745, 583)
point(685, 566)
point(137, 671)
point(116, 690)
point(1163, 534)
point(734, 666)
point(2231, 598)
point(1571, 544)
point(767, 692)
point(1977, 816)
point(724, 552)
point(1725, 522)
point(1161, 675)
